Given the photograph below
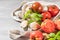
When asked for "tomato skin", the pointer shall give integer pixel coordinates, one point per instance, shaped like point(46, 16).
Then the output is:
point(53, 9)
point(36, 34)
point(48, 26)
point(46, 15)
point(36, 6)
point(40, 9)
point(57, 22)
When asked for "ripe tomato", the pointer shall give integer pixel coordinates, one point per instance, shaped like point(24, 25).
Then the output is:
point(40, 9)
point(46, 15)
point(36, 35)
point(48, 26)
point(57, 22)
point(36, 5)
point(53, 9)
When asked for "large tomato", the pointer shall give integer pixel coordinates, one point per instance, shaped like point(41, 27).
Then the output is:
point(53, 9)
point(48, 26)
point(37, 35)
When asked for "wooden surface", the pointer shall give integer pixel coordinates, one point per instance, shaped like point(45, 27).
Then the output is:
point(6, 21)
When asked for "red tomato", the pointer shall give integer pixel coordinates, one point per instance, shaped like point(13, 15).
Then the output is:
point(53, 9)
point(57, 22)
point(46, 15)
point(36, 5)
point(48, 26)
point(36, 35)
point(40, 9)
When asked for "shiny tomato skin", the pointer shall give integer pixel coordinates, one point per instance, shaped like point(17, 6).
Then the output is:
point(36, 34)
point(46, 15)
point(40, 9)
point(35, 6)
point(53, 9)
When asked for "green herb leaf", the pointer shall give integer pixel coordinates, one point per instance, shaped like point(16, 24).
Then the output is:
point(51, 39)
point(27, 14)
point(30, 21)
point(58, 37)
point(52, 34)
point(36, 17)
point(58, 34)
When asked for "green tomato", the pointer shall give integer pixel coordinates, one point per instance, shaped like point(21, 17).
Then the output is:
point(52, 35)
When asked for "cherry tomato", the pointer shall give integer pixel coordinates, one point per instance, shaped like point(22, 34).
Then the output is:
point(46, 15)
point(35, 6)
point(36, 35)
point(53, 9)
point(40, 9)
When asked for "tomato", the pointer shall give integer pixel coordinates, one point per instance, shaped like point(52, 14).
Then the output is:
point(36, 35)
point(40, 9)
point(46, 15)
point(48, 26)
point(36, 6)
point(53, 9)
point(57, 22)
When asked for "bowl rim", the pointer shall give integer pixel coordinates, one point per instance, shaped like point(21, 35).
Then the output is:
point(44, 3)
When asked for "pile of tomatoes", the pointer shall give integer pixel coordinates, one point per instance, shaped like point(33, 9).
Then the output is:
point(47, 25)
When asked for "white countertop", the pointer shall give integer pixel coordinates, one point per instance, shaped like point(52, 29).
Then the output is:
point(6, 21)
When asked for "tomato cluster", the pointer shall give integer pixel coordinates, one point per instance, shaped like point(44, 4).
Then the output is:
point(52, 10)
point(47, 24)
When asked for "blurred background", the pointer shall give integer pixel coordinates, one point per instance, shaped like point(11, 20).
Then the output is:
point(6, 21)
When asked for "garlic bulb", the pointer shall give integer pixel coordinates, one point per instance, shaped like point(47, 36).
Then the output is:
point(34, 26)
point(24, 24)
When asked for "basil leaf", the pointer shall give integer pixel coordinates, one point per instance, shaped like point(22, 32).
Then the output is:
point(36, 17)
point(27, 14)
point(52, 34)
point(58, 37)
point(30, 21)
point(58, 34)
point(51, 39)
